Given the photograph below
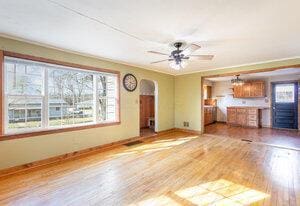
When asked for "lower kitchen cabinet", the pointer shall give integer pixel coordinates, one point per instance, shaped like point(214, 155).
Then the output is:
point(244, 116)
point(209, 115)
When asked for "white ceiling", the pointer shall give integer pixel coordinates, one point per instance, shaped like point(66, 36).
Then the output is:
point(280, 72)
point(236, 32)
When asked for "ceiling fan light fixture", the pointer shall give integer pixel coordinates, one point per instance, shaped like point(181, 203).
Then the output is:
point(178, 65)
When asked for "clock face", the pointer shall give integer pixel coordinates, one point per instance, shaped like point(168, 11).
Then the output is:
point(130, 82)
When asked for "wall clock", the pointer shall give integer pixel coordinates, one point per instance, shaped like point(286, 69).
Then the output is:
point(130, 82)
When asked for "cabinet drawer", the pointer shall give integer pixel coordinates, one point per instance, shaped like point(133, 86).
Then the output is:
point(241, 110)
point(252, 117)
point(252, 111)
point(252, 123)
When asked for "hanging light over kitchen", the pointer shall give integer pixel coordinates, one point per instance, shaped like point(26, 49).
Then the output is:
point(237, 81)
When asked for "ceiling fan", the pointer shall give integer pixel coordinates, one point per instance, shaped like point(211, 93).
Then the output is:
point(178, 57)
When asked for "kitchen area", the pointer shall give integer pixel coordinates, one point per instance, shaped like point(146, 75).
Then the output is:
point(234, 102)
point(254, 100)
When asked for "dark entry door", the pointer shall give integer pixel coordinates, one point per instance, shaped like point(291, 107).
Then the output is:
point(285, 105)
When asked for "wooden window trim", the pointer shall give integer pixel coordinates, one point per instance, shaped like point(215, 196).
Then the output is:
point(4, 137)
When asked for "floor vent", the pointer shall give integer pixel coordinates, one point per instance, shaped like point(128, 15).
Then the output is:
point(133, 143)
point(246, 140)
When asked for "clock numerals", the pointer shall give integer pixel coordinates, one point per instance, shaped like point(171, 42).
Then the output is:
point(130, 82)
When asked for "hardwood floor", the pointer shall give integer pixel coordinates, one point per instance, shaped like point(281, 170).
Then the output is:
point(281, 138)
point(146, 132)
point(171, 169)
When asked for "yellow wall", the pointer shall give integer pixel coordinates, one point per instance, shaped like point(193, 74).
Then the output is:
point(20, 151)
point(188, 92)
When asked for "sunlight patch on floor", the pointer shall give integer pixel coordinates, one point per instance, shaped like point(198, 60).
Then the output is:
point(156, 146)
point(216, 193)
point(160, 201)
point(221, 192)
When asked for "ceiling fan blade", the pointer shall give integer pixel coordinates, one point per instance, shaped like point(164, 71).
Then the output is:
point(190, 49)
point(155, 52)
point(161, 61)
point(203, 57)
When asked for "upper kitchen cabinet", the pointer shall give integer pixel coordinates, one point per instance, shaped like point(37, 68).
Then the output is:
point(253, 89)
point(258, 89)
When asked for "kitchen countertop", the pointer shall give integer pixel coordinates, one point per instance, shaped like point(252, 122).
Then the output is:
point(209, 106)
point(254, 107)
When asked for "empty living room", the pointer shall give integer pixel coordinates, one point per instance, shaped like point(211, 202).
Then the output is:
point(149, 103)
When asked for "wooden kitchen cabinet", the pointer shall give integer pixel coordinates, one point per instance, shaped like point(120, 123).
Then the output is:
point(231, 115)
point(254, 89)
point(209, 115)
point(257, 89)
point(241, 116)
point(244, 116)
point(238, 91)
point(246, 89)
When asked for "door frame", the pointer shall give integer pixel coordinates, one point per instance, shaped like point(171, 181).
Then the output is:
point(298, 102)
point(155, 102)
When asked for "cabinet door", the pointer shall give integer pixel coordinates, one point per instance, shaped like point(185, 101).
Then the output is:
point(238, 91)
point(206, 116)
point(241, 116)
point(257, 89)
point(211, 115)
point(231, 115)
point(246, 90)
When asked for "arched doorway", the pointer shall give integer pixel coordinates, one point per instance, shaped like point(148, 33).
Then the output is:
point(148, 107)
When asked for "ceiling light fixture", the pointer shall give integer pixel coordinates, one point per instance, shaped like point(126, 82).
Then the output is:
point(177, 65)
point(237, 81)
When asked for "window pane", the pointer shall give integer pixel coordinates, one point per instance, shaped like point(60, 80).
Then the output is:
point(23, 79)
point(102, 109)
point(102, 85)
point(111, 86)
point(84, 105)
point(70, 97)
point(111, 109)
point(284, 93)
point(107, 97)
point(24, 112)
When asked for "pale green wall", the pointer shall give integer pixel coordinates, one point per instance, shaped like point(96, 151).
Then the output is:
point(188, 101)
point(188, 92)
point(179, 99)
point(20, 151)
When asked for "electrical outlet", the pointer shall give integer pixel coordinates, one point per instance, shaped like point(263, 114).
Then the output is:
point(186, 124)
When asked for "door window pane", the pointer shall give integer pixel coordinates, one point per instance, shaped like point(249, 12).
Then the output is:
point(284, 93)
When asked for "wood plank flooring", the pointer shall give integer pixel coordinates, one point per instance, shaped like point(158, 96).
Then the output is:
point(283, 138)
point(170, 169)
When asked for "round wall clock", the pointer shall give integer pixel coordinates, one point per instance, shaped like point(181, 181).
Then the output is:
point(129, 82)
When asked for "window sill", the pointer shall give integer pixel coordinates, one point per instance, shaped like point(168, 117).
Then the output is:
point(54, 131)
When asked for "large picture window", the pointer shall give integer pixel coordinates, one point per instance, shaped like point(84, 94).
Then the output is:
point(41, 96)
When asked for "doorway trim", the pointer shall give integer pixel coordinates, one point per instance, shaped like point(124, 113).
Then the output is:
point(155, 102)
